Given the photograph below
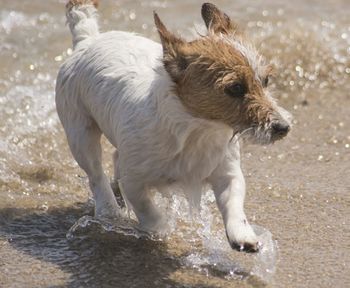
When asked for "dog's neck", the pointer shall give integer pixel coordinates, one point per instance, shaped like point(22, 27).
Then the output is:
point(187, 131)
point(174, 114)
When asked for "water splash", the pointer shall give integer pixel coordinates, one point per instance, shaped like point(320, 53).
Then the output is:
point(90, 227)
point(209, 252)
point(216, 257)
point(266, 259)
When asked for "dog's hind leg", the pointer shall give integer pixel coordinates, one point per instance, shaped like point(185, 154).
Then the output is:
point(138, 196)
point(84, 141)
point(115, 185)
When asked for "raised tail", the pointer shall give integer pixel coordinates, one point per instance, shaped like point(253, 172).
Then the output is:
point(82, 19)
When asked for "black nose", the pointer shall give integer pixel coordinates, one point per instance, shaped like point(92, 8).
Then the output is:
point(280, 128)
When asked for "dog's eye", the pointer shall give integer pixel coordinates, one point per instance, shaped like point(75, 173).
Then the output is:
point(236, 90)
point(265, 82)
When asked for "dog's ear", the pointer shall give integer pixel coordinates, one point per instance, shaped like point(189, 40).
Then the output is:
point(216, 20)
point(174, 60)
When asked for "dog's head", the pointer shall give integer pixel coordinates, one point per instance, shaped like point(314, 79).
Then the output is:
point(222, 77)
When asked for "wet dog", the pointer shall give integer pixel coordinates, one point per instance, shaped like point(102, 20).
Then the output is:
point(173, 111)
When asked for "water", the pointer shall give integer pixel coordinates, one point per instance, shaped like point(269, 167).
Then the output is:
point(298, 189)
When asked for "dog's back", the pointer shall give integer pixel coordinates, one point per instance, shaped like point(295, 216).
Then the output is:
point(115, 83)
point(105, 70)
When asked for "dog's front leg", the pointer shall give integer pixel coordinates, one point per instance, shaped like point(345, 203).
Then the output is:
point(229, 187)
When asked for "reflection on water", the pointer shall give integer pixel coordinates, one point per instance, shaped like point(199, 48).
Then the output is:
point(88, 262)
point(92, 248)
point(297, 188)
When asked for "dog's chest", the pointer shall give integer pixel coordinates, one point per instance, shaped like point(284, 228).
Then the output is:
point(198, 159)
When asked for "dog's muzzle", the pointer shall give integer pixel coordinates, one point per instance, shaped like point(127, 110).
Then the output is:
point(279, 129)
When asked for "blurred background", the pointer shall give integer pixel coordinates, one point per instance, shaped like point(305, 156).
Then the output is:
point(298, 188)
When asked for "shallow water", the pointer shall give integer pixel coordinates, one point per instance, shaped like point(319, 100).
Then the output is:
point(298, 189)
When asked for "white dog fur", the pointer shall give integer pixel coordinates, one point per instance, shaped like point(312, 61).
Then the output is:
point(115, 83)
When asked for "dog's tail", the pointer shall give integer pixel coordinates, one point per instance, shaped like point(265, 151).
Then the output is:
point(82, 19)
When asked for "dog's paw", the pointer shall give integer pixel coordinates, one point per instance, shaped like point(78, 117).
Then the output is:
point(108, 211)
point(155, 225)
point(242, 237)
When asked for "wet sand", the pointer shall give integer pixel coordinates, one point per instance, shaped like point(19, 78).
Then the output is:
point(298, 189)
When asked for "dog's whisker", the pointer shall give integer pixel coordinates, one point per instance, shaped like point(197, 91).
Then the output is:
point(233, 136)
point(241, 134)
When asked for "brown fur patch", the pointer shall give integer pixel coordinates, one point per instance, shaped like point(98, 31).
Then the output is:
point(204, 68)
point(213, 66)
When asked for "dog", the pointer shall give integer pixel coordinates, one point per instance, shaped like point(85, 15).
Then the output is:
point(174, 112)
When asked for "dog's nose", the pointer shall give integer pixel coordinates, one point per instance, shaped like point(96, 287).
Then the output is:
point(280, 128)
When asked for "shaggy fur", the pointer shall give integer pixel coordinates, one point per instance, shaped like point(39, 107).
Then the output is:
point(171, 111)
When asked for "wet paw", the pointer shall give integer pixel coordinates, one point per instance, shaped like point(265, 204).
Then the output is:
point(158, 225)
point(246, 247)
point(242, 237)
point(108, 211)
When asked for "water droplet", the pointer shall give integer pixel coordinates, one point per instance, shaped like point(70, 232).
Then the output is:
point(280, 156)
point(276, 194)
point(132, 16)
point(58, 58)
point(280, 12)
